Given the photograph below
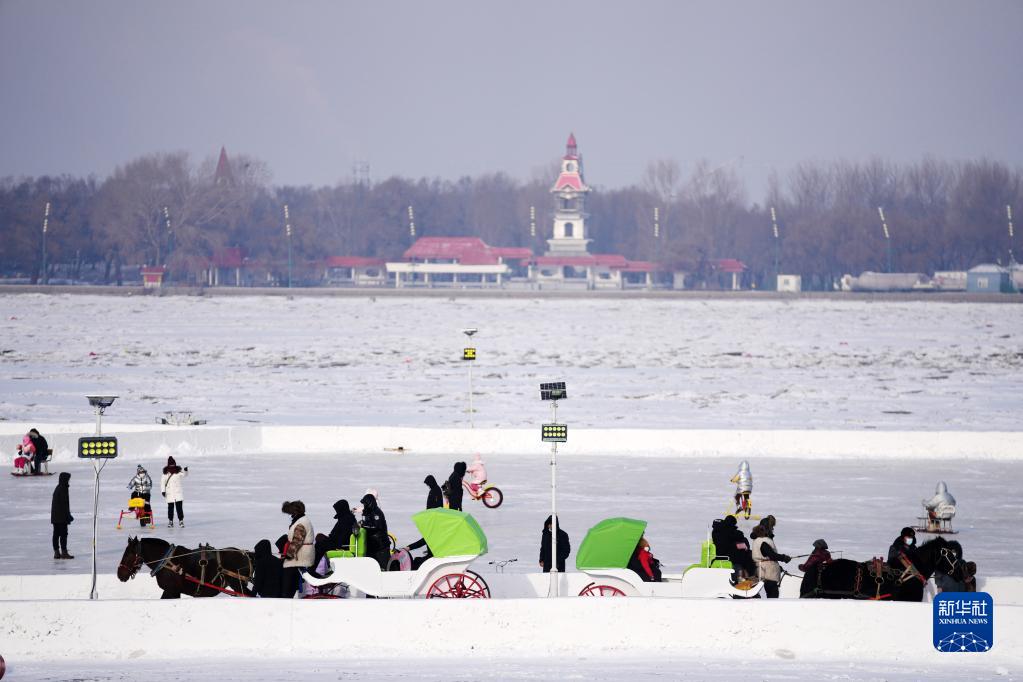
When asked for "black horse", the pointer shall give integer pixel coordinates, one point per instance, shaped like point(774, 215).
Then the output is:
point(203, 572)
point(848, 579)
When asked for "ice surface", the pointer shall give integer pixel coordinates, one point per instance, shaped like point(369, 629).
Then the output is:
point(628, 362)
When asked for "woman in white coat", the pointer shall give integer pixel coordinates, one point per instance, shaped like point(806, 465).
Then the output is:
point(300, 552)
point(173, 490)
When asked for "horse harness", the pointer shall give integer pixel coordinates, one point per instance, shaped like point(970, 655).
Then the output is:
point(167, 563)
point(879, 572)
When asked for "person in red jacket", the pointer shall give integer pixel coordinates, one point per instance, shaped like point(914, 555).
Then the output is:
point(820, 555)
point(644, 563)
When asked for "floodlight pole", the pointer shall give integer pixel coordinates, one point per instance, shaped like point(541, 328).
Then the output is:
point(43, 279)
point(96, 467)
point(472, 424)
point(553, 591)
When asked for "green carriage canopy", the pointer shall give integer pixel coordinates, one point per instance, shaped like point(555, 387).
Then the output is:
point(449, 532)
point(610, 544)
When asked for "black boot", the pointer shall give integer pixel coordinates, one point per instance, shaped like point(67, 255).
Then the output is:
point(56, 554)
point(65, 555)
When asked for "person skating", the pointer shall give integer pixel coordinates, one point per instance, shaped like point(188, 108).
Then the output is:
point(173, 490)
point(454, 486)
point(299, 551)
point(766, 556)
point(563, 550)
point(41, 449)
point(141, 486)
point(60, 516)
point(743, 481)
point(378, 543)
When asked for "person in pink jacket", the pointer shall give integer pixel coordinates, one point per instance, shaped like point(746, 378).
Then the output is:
point(477, 474)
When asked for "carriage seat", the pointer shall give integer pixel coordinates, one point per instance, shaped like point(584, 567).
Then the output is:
point(709, 557)
point(356, 547)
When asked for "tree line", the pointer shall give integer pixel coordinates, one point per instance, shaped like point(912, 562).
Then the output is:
point(164, 209)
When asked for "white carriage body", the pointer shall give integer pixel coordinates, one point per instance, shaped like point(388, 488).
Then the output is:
point(364, 574)
point(706, 583)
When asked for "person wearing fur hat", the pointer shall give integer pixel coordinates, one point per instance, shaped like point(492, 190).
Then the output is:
point(299, 552)
point(904, 545)
point(378, 543)
point(173, 490)
point(766, 556)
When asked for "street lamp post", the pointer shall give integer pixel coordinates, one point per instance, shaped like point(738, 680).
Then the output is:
point(287, 232)
point(1008, 213)
point(97, 448)
point(554, 433)
point(46, 224)
point(777, 246)
point(887, 236)
point(469, 355)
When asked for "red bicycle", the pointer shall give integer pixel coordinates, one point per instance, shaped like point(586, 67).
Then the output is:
point(491, 496)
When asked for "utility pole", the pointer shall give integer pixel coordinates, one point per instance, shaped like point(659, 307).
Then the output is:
point(777, 246)
point(887, 236)
point(287, 232)
point(44, 278)
point(1008, 213)
point(411, 223)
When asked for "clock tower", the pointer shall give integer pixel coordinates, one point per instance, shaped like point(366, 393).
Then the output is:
point(569, 202)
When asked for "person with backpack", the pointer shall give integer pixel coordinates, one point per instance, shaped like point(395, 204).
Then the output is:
point(173, 490)
point(453, 486)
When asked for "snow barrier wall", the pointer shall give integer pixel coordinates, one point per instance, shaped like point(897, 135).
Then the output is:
point(581, 627)
point(155, 442)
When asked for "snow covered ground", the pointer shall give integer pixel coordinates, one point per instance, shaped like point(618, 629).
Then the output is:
point(856, 393)
point(713, 363)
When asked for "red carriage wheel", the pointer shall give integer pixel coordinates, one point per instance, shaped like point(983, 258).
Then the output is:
point(595, 590)
point(492, 498)
point(466, 585)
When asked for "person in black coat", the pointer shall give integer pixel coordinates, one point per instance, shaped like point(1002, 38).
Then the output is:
point(269, 571)
point(434, 498)
point(731, 542)
point(60, 516)
point(904, 544)
point(454, 486)
point(564, 547)
point(42, 449)
point(378, 543)
point(340, 535)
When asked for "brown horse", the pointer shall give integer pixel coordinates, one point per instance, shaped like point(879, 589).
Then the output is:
point(203, 572)
point(874, 580)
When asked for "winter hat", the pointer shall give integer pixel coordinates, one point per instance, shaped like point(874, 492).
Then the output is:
point(341, 507)
point(460, 468)
point(296, 508)
point(907, 531)
point(171, 462)
point(368, 500)
point(769, 522)
point(820, 544)
point(64, 478)
point(26, 440)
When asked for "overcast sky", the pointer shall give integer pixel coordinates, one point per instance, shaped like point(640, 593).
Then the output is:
point(445, 89)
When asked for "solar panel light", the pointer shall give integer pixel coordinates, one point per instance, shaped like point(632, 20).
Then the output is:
point(470, 331)
point(554, 433)
point(553, 391)
point(97, 447)
point(468, 353)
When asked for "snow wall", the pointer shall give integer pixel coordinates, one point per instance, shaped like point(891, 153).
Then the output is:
point(798, 629)
point(156, 442)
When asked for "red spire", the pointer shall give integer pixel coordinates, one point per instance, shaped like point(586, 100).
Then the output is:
point(223, 173)
point(570, 149)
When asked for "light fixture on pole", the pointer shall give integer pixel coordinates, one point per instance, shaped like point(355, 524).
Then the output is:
point(532, 221)
point(887, 236)
point(97, 448)
point(46, 224)
point(287, 232)
point(170, 234)
point(469, 356)
point(554, 433)
point(657, 222)
point(411, 222)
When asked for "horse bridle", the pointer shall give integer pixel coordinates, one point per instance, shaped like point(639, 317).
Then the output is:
point(136, 563)
point(945, 552)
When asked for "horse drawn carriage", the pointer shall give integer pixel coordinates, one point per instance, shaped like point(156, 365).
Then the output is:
point(604, 556)
point(454, 539)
